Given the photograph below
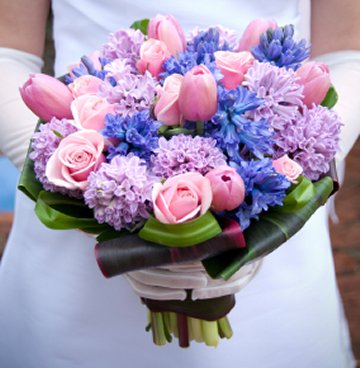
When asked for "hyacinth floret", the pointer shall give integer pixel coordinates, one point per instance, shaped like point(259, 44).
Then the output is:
point(228, 38)
point(120, 192)
point(199, 51)
point(312, 140)
point(137, 134)
point(129, 92)
point(235, 134)
point(86, 67)
point(278, 47)
point(264, 188)
point(184, 153)
point(125, 45)
point(280, 91)
point(44, 143)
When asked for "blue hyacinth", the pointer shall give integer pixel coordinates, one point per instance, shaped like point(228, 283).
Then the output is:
point(278, 47)
point(86, 67)
point(137, 134)
point(199, 51)
point(264, 186)
point(236, 135)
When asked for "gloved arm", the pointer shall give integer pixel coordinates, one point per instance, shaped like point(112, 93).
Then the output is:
point(17, 122)
point(22, 35)
point(345, 76)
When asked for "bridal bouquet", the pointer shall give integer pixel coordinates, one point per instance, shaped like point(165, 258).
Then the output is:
point(184, 156)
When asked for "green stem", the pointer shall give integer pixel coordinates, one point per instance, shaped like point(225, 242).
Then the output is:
point(158, 331)
point(196, 329)
point(210, 332)
point(173, 324)
point(225, 327)
point(200, 128)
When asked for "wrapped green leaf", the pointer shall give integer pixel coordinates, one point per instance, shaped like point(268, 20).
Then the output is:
point(184, 234)
point(129, 252)
point(271, 230)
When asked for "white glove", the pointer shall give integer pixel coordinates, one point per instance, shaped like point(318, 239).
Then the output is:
point(17, 122)
point(172, 282)
point(345, 76)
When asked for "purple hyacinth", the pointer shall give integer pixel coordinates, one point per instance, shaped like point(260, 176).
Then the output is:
point(280, 91)
point(44, 143)
point(120, 192)
point(124, 44)
point(129, 92)
point(278, 47)
point(312, 140)
point(184, 153)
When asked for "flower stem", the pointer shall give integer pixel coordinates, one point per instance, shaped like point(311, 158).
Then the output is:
point(200, 128)
point(210, 332)
point(183, 330)
point(196, 329)
point(158, 330)
point(225, 327)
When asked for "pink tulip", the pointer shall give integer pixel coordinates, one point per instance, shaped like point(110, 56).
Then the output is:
point(227, 187)
point(181, 198)
point(167, 108)
point(233, 66)
point(152, 55)
point(47, 97)
point(251, 36)
point(315, 77)
point(85, 85)
point(198, 94)
point(167, 29)
point(288, 167)
point(90, 111)
point(76, 157)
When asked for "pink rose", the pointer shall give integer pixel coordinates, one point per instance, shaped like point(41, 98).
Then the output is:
point(152, 55)
point(167, 108)
point(233, 66)
point(167, 29)
point(198, 94)
point(227, 187)
point(288, 167)
point(76, 157)
point(181, 198)
point(85, 85)
point(90, 111)
point(315, 77)
point(47, 97)
point(251, 36)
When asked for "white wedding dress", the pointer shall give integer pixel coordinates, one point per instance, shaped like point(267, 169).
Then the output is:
point(58, 311)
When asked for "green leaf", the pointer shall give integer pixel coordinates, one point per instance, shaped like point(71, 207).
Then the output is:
point(176, 131)
point(331, 98)
point(28, 183)
point(60, 212)
point(299, 196)
point(185, 234)
point(141, 25)
point(268, 233)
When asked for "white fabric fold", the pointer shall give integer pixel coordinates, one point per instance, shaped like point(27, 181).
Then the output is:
point(165, 283)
